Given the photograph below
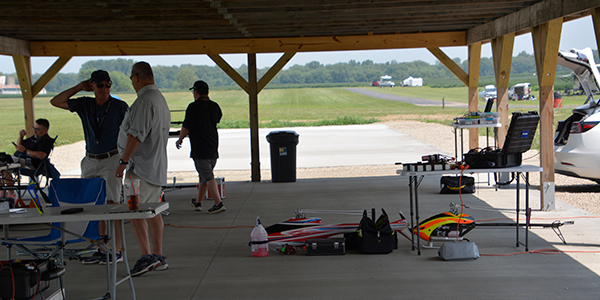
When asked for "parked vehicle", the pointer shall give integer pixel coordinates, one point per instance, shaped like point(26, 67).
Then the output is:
point(577, 139)
point(521, 91)
point(489, 92)
point(411, 81)
point(375, 83)
point(386, 81)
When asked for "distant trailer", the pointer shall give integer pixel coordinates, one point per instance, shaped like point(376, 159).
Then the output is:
point(411, 81)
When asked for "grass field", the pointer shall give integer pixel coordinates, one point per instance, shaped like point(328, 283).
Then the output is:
point(277, 108)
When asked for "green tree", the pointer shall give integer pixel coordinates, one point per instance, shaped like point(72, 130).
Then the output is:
point(186, 78)
point(121, 82)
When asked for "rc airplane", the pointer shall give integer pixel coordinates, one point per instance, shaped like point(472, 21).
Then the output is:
point(294, 232)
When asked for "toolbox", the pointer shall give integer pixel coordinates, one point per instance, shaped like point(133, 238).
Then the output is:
point(29, 277)
point(330, 246)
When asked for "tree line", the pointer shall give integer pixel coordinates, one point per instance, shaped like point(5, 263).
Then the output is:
point(183, 76)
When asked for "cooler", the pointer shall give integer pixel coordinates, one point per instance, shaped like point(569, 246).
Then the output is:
point(220, 186)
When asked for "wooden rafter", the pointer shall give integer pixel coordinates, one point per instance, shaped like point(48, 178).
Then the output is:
point(49, 74)
point(450, 64)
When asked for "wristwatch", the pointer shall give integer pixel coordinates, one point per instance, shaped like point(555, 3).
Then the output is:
point(122, 162)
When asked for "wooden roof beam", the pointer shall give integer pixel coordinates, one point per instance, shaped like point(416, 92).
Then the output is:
point(264, 45)
point(10, 46)
point(531, 16)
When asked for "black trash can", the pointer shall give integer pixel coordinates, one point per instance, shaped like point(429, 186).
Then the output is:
point(283, 155)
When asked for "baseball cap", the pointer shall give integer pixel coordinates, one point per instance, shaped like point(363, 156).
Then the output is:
point(99, 76)
point(201, 87)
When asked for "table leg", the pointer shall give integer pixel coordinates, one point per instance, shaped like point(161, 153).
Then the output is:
point(412, 224)
point(417, 216)
point(462, 144)
point(518, 207)
point(527, 211)
point(126, 261)
point(113, 252)
point(455, 145)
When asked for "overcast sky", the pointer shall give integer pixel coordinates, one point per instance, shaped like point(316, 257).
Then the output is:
point(575, 34)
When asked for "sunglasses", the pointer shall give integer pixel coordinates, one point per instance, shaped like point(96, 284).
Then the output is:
point(102, 85)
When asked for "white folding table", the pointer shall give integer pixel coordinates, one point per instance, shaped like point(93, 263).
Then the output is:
point(415, 178)
point(110, 213)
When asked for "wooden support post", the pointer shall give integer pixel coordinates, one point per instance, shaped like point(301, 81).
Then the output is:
point(546, 40)
point(502, 48)
point(473, 83)
point(596, 20)
point(23, 67)
point(253, 100)
point(253, 87)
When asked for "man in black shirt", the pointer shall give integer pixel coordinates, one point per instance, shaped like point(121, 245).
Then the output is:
point(37, 148)
point(201, 119)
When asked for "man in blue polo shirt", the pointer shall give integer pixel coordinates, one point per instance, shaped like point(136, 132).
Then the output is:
point(101, 117)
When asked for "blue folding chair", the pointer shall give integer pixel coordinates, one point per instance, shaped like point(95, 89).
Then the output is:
point(65, 193)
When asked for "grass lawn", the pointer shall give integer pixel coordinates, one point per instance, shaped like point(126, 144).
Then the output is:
point(276, 108)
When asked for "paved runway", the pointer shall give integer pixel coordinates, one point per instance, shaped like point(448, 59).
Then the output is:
point(327, 146)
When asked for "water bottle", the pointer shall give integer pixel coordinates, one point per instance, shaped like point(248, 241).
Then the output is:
point(259, 240)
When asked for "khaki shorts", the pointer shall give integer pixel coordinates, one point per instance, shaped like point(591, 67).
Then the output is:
point(104, 168)
point(149, 193)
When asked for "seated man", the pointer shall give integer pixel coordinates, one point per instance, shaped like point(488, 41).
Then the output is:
point(37, 147)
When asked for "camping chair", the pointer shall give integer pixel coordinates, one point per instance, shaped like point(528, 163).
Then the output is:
point(46, 170)
point(64, 193)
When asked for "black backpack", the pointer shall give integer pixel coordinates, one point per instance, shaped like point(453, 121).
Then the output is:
point(377, 237)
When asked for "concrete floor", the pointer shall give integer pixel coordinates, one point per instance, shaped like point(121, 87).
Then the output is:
point(209, 256)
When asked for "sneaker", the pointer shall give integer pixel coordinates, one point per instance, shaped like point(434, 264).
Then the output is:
point(217, 208)
point(163, 263)
point(196, 205)
point(94, 259)
point(144, 264)
point(119, 258)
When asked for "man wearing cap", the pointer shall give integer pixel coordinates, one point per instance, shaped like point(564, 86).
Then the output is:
point(201, 119)
point(101, 117)
point(142, 143)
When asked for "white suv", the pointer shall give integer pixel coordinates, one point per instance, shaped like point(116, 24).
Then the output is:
point(577, 139)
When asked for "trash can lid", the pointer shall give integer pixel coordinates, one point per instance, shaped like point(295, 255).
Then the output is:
point(283, 136)
point(557, 95)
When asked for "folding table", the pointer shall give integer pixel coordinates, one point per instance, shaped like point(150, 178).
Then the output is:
point(415, 178)
point(110, 213)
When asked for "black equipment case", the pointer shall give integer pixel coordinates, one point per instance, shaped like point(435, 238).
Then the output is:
point(31, 277)
point(493, 159)
point(518, 140)
point(330, 246)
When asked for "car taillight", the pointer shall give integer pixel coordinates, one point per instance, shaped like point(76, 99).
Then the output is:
point(579, 127)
